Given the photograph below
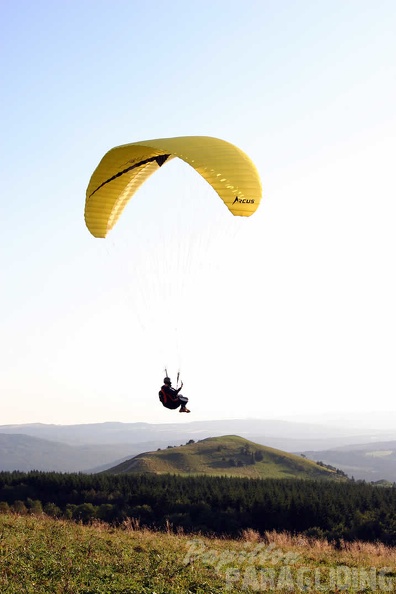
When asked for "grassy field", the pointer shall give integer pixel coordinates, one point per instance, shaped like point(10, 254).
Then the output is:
point(45, 556)
point(228, 455)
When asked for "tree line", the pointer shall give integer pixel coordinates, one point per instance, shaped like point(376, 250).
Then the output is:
point(210, 505)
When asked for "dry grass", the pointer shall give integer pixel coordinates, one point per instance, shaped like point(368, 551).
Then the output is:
point(373, 554)
point(40, 555)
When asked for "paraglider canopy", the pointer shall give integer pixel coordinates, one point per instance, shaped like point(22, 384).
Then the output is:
point(123, 170)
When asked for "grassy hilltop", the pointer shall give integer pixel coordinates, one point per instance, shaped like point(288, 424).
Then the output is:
point(228, 455)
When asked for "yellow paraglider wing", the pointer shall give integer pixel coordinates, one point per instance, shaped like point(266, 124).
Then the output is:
point(123, 169)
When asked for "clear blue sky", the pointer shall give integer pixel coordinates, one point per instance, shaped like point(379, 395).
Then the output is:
point(292, 310)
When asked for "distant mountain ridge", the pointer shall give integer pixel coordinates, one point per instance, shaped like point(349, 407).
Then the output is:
point(369, 461)
point(93, 447)
point(288, 435)
point(229, 455)
point(24, 452)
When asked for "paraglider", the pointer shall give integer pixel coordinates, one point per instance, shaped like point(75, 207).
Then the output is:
point(170, 397)
point(123, 170)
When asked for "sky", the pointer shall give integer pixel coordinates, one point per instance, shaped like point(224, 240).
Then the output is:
point(290, 311)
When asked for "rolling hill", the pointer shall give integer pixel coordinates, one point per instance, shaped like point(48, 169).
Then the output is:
point(98, 446)
point(228, 455)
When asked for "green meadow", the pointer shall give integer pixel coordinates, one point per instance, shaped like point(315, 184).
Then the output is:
point(42, 555)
